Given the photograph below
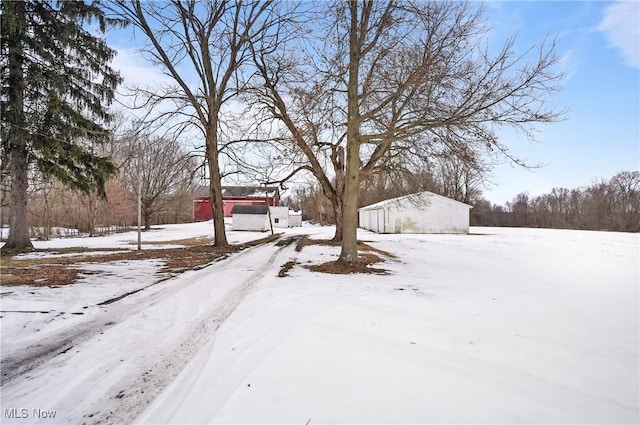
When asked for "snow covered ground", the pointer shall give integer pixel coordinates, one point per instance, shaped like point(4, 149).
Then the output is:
point(500, 326)
point(128, 240)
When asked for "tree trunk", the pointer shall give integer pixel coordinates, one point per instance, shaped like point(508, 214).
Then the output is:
point(215, 188)
point(337, 198)
point(17, 137)
point(215, 192)
point(18, 228)
point(92, 212)
point(349, 251)
point(46, 214)
point(337, 212)
point(147, 220)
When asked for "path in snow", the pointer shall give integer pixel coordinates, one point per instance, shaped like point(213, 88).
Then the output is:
point(39, 323)
point(44, 322)
point(136, 346)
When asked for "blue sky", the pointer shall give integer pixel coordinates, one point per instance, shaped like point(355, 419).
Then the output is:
point(600, 136)
point(599, 46)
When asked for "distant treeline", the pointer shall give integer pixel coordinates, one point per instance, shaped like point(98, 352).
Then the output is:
point(612, 205)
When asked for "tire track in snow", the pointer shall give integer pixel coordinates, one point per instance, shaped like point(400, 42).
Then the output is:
point(148, 386)
point(99, 317)
point(133, 359)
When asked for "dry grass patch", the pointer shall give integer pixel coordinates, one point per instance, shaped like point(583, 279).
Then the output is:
point(264, 240)
point(284, 269)
point(197, 241)
point(305, 241)
point(338, 267)
point(57, 271)
point(367, 255)
point(47, 275)
point(362, 245)
point(368, 248)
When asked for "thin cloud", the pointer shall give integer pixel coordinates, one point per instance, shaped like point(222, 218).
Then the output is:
point(136, 73)
point(621, 27)
point(135, 70)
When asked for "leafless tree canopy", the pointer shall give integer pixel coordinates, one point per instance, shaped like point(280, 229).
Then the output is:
point(369, 87)
point(162, 167)
point(612, 205)
point(202, 47)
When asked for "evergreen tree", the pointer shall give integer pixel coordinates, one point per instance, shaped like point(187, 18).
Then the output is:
point(56, 86)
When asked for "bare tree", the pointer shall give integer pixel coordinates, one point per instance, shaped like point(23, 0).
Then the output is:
point(201, 46)
point(163, 166)
point(461, 178)
point(307, 140)
point(520, 209)
point(421, 68)
point(626, 191)
point(457, 178)
point(407, 79)
point(612, 205)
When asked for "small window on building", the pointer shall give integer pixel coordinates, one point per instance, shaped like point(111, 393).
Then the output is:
point(276, 220)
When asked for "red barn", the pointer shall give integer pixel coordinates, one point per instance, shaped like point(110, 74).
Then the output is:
point(234, 195)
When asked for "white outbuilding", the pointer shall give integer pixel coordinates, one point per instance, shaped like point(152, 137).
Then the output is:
point(295, 218)
point(250, 217)
point(422, 212)
point(280, 216)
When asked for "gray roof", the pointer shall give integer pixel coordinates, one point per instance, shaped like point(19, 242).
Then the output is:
point(414, 198)
point(250, 209)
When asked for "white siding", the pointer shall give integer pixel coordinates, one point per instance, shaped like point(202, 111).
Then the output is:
point(295, 218)
point(280, 216)
point(423, 212)
point(254, 222)
point(373, 220)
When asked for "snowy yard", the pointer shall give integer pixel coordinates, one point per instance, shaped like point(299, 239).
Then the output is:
point(499, 326)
